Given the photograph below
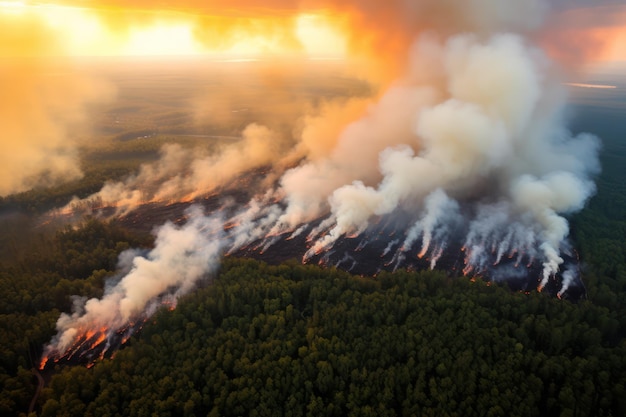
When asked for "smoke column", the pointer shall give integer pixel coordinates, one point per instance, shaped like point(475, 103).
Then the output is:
point(468, 148)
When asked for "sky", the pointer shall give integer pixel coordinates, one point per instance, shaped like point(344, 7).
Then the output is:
point(309, 28)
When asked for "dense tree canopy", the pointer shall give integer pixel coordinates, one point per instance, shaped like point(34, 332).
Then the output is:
point(320, 342)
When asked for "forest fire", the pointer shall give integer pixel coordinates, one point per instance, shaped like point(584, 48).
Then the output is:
point(90, 346)
point(188, 249)
point(431, 173)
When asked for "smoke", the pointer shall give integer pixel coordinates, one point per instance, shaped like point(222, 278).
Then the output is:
point(583, 32)
point(487, 138)
point(41, 107)
point(181, 257)
point(568, 278)
point(183, 174)
point(468, 148)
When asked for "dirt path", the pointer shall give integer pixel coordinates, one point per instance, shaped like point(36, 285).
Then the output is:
point(40, 384)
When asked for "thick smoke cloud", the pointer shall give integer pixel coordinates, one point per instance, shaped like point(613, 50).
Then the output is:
point(488, 137)
point(41, 106)
point(468, 148)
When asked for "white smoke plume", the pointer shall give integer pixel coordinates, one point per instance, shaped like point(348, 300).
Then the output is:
point(568, 278)
point(468, 148)
point(496, 136)
point(181, 257)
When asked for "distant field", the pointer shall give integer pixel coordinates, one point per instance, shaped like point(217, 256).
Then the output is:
point(213, 98)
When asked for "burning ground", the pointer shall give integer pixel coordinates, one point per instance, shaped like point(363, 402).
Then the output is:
point(463, 163)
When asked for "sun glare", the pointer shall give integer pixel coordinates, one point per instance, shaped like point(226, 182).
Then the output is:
point(84, 32)
point(12, 7)
point(319, 37)
point(162, 39)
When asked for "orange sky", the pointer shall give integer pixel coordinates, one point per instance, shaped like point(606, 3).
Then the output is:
point(309, 28)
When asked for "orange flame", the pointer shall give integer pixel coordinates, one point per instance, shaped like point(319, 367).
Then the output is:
point(43, 362)
point(101, 338)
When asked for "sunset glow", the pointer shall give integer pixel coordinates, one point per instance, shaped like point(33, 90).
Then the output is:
point(113, 32)
point(109, 28)
point(161, 39)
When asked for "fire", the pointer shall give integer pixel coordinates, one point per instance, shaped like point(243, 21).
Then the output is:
point(93, 345)
point(44, 361)
point(100, 339)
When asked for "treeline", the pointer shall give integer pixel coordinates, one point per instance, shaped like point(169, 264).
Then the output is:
point(301, 341)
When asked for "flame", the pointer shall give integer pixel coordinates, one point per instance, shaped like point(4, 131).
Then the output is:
point(44, 361)
point(100, 339)
point(92, 344)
